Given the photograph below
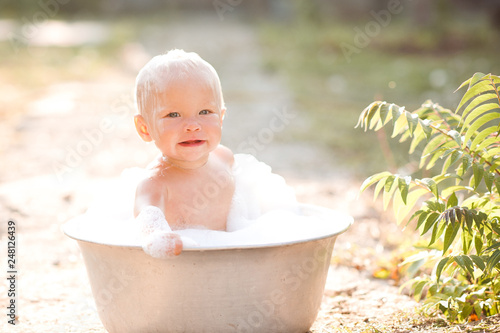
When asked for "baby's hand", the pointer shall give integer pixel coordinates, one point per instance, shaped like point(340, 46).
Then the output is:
point(163, 244)
point(158, 240)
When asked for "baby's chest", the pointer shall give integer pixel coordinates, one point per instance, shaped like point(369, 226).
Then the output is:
point(206, 206)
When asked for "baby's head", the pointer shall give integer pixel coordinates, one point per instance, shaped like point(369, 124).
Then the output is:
point(166, 69)
point(180, 104)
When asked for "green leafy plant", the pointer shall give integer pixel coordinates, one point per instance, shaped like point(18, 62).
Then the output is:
point(457, 208)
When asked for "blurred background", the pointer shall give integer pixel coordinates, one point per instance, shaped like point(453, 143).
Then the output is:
point(295, 75)
point(69, 67)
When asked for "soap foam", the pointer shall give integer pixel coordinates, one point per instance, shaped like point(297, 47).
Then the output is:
point(264, 211)
point(162, 244)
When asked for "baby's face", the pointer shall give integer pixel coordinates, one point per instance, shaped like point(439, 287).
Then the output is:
point(187, 123)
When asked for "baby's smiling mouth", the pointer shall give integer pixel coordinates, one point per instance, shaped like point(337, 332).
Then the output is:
point(191, 143)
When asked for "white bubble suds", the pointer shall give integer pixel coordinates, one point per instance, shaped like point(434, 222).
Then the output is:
point(264, 212)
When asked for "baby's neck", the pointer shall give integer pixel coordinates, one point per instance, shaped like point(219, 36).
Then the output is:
point(184, 165)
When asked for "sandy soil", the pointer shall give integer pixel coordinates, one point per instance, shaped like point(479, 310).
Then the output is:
point(71, 138)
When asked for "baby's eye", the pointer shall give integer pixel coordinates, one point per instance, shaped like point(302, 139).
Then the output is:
point(173, 115)
point(205, 112)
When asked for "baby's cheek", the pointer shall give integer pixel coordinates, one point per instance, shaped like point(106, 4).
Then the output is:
point(214, 130)
point(161, 126)
point(157, 128)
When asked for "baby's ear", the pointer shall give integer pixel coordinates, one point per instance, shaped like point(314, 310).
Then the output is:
point(222, 114)
point(142, 128)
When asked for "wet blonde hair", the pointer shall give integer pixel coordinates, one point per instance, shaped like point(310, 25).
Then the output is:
point(169, 67)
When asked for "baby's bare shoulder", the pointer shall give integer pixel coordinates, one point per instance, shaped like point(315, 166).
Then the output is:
point(225, 154)
point(150, 191)
point(147, 185)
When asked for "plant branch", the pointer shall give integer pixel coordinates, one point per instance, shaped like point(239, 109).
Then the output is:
point(495, 89)
point(439, 115)
point(475, 155)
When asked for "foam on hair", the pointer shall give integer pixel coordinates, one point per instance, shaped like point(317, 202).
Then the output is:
point(166, 68)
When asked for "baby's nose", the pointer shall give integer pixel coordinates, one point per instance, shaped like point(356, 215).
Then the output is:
point(192, 125)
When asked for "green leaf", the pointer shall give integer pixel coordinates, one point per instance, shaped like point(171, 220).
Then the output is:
point(435, 142)
point(452, 159)
point(497, 184)
point(489, 177)
point(466, 164)
point(405, 135)
point(396, 112)
point(465, 263)
point(463, 84)
point(439, 178)
point(389, 188)
point(482, 109)
point(403, 185)
point(478, 310)
point(469, 219)
point(495, 165)
point(444, 150)
point(437, 206)
point(455, 188)
point(465, 311)
point(473, 91)
point(466, 241)
point(422, 216)
point(495, 228)
point(432, 161)
point(403, 210)
point(487, 144)
point(455, 136)
point(426, 127)
point(373, 118)
point(481, 137)
point(381, 117)
point(491, 153)
point(417, 138)
point(385, 115)
point(478, 174)
point(479, 219)
point(437, 231)
point(452, 201)
point(482, 120)
point(373, 179)
point(399, 123)
point(412, 120)
point(478, 100)
point(478, 261)
point(431, 185)
point(441, 265)
point(478, 244)
point(450, 234)
point(418, 288)
point(492, 247)
point(366, 113)
point(478, 76)
point(430, 220)
point(493, 260)
point(378, 188)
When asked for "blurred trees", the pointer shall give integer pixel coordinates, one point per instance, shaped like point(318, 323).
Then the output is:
point(423, 12)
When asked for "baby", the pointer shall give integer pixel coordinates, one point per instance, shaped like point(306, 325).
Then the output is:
point(190, 185)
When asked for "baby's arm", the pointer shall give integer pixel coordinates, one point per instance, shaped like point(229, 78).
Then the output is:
point(157, 237)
